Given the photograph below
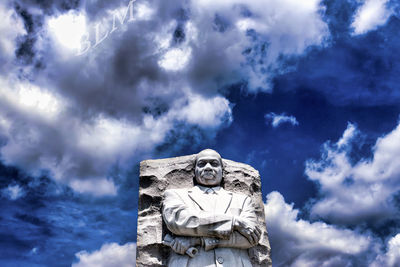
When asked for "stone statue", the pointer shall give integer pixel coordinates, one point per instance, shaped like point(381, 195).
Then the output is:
point(218, 225)
point(200, 210)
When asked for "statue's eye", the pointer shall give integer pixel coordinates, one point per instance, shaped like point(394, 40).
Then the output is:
point(215, 163)
point(201, 163)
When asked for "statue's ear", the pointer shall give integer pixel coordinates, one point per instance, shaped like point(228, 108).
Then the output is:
point(223, 163)
point(192, 167)
point(193, 160)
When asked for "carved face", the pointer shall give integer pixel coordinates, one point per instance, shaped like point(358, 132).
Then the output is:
point(208, 170)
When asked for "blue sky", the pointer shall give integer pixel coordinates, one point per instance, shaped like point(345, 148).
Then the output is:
point(307, 92)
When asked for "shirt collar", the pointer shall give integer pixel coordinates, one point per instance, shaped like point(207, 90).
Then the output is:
point(205, 189)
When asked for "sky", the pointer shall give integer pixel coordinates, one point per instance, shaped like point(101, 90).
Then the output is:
point(307, 92)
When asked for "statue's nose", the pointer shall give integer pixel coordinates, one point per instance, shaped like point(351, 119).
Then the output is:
point(208, 166)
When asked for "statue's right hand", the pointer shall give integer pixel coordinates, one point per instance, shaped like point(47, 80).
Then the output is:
point(181, 244)
point(250, 232)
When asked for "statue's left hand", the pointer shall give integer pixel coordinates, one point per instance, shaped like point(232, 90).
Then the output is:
point(249, 231)
point(181, 244)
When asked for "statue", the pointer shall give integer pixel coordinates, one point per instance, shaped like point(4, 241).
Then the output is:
point(200, 210)
point(212, 226)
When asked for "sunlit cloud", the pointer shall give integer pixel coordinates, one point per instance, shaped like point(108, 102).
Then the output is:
point(175, 59)
point(371, 15)
point(68, 30)
point(110, 254)
point(31, 99)
point(205, 112)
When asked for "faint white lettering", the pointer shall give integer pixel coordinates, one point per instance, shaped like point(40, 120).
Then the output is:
point(85, 45)
point(101, 32)
point(117, 15)
point(98, 38)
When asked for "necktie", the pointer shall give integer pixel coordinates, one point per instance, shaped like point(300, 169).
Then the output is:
point(210, 191)
point(212, 197)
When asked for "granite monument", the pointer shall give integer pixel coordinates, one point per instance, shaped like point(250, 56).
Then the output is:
point(200, 210)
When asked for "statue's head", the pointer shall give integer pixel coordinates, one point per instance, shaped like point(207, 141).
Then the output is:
point(208, 168)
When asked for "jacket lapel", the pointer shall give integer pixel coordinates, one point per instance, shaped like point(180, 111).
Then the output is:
point(224, 201)
point(199, 198)
point(205, 202)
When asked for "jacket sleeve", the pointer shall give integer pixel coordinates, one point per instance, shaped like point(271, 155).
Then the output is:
point(184, 221)
point(235, 240)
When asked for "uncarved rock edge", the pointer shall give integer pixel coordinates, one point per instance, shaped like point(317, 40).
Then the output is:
point(158, 175)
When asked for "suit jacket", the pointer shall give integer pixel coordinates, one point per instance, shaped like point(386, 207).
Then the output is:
point(191, 212)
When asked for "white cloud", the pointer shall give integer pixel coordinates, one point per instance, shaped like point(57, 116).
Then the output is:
point(278, 119)
point(371, 15)
point(392, 256)
point(349, 135)
point(290, 25)
point(350, 194)
point(175, 59)
point(393, 253)
point(206, 112)
point(283, 28)
point(364, 191)
point(109, 255)
point(297, 242)
point(96, 186)
point(30, 99)
point(13, 192)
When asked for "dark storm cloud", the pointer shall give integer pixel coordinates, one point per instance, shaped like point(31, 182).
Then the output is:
point(114, 90)
point(123, 98)
point(9, 36)
point(122, 76)
point(130, 57)
point(47, 6)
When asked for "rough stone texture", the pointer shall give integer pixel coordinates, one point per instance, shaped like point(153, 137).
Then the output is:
point(158, 175)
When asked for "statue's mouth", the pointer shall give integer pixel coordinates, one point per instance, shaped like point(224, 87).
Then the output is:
point(208, 174)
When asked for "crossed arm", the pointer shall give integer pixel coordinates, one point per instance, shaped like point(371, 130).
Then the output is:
point(210, 230)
